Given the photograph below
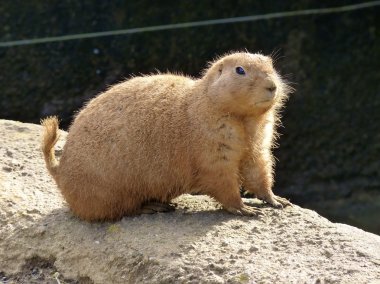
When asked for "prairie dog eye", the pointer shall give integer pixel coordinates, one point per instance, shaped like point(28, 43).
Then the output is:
point(240, 70)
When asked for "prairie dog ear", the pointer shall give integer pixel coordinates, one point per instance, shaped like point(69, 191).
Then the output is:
point(220, 69)
point(217, 72)
point(214, 71)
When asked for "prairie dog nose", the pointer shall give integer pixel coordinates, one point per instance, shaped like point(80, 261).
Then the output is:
point(271, 87)
point(269, 84)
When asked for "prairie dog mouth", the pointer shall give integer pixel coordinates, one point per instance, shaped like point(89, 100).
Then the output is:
point(264, 101)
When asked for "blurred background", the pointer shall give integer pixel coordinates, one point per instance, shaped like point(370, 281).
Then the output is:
point(329, 154)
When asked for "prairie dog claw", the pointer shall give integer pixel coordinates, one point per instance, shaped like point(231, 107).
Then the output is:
point(277, 201)
point(245, 210)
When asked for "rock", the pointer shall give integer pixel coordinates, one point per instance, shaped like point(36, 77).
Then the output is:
point(42, 242)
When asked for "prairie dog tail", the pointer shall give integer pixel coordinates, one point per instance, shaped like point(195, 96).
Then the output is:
point(50, 137)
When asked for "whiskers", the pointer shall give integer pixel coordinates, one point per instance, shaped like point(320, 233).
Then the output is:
point(276, 55)
point(288, 85)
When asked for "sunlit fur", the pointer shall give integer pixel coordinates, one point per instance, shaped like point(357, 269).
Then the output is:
point(159, 136)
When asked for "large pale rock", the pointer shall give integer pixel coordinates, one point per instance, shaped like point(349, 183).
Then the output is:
point(42, 242)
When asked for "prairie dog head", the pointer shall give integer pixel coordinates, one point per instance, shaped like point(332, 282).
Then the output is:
point(244, 84)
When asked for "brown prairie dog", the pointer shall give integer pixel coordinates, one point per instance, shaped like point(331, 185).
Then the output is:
point(147, 140)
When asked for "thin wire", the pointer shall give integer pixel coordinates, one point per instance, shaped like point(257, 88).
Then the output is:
point(193, 24)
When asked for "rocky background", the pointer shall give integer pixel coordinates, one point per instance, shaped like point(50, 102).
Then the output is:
point(329, 158)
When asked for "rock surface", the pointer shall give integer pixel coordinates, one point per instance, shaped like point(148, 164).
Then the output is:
point(42, 242)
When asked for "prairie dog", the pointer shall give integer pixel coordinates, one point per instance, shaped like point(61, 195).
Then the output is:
point(149, 139)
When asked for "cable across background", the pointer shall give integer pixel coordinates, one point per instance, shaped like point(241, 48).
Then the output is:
point(252, 18)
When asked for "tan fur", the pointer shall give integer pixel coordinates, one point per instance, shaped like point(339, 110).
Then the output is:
point(153, 138)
